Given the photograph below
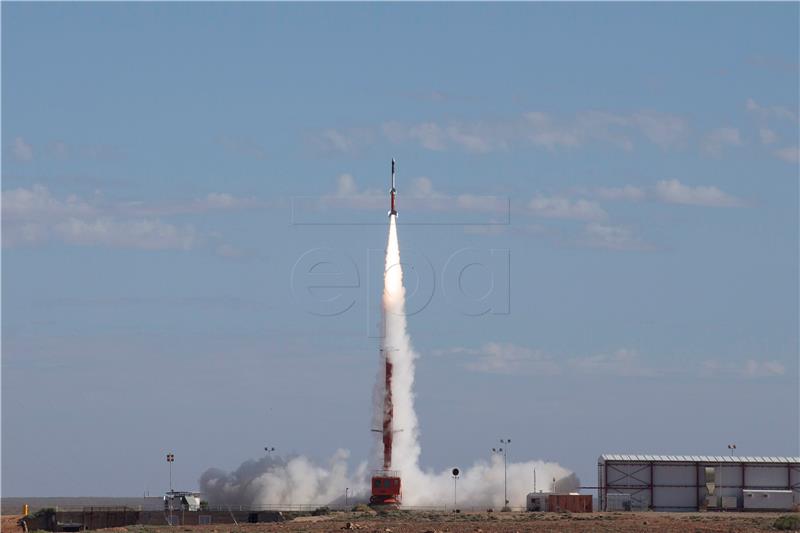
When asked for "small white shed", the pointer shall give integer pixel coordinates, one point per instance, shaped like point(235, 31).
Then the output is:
point(768, 500)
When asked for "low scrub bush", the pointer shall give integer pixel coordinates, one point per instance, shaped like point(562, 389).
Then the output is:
point(789, 522)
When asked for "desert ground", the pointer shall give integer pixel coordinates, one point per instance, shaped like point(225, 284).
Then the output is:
point(434, 522)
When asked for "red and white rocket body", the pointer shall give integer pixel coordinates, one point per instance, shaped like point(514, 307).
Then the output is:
point(392, 195)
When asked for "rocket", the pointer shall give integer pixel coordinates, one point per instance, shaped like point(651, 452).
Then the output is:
point(392, 194)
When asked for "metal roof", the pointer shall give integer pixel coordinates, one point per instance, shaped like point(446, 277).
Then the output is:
point(695, 458)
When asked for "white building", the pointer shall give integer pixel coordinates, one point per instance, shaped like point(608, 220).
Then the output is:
point(176, 500)
point(696, 482)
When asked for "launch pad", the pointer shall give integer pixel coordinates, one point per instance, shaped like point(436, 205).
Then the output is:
point(387, 489)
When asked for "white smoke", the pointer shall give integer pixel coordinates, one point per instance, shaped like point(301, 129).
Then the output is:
point(397, 348)
point(298, 481)
point(278, 481)
point(482, 484)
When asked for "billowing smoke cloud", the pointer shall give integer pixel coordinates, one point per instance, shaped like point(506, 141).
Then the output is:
point(296, 480)
point(278, 481)
point(482, 484)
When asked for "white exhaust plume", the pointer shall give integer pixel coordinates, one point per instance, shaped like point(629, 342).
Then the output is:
point(397, 347)
point(277, 481)
point(298, 481)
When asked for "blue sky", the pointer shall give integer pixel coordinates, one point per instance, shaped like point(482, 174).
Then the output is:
point(634, 166)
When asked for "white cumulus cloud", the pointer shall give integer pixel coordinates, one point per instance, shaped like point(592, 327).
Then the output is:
point(715, 142)
point(623, 362)
point(675, 192)
point(770, 112)
point(543, 130)
point(144, 234)
point(505, 358)
point(750, 368)
point(767, 136)
point(790, 154)
point(662, 129)
point(34, 215)
point(612, 237)
point(563, 207)
point(626, 192)
point(37, 204)
point(22, 150)
point(429, 135)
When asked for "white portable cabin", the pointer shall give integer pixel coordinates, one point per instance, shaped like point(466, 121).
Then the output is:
point(768, 500)
point(180, 500)
point(536, 502)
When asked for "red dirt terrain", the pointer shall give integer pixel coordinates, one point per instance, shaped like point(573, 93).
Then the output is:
point(433, 522)
point(9, 523)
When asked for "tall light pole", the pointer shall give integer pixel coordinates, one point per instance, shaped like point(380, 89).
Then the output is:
point(731, 448)
point(455, 473)
point(507, 443)
point(504, 450)
point(346, 491)
point(170, 460)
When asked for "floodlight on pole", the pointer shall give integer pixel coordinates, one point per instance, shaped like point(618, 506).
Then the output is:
point(507, 443)
point(170, 460)
point(455, 473)
point(504, 450)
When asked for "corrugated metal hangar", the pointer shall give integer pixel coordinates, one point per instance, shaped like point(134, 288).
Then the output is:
point(696, 482)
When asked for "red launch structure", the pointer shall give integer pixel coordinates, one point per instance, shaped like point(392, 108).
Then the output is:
point(388, 415)
point(386, 489)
